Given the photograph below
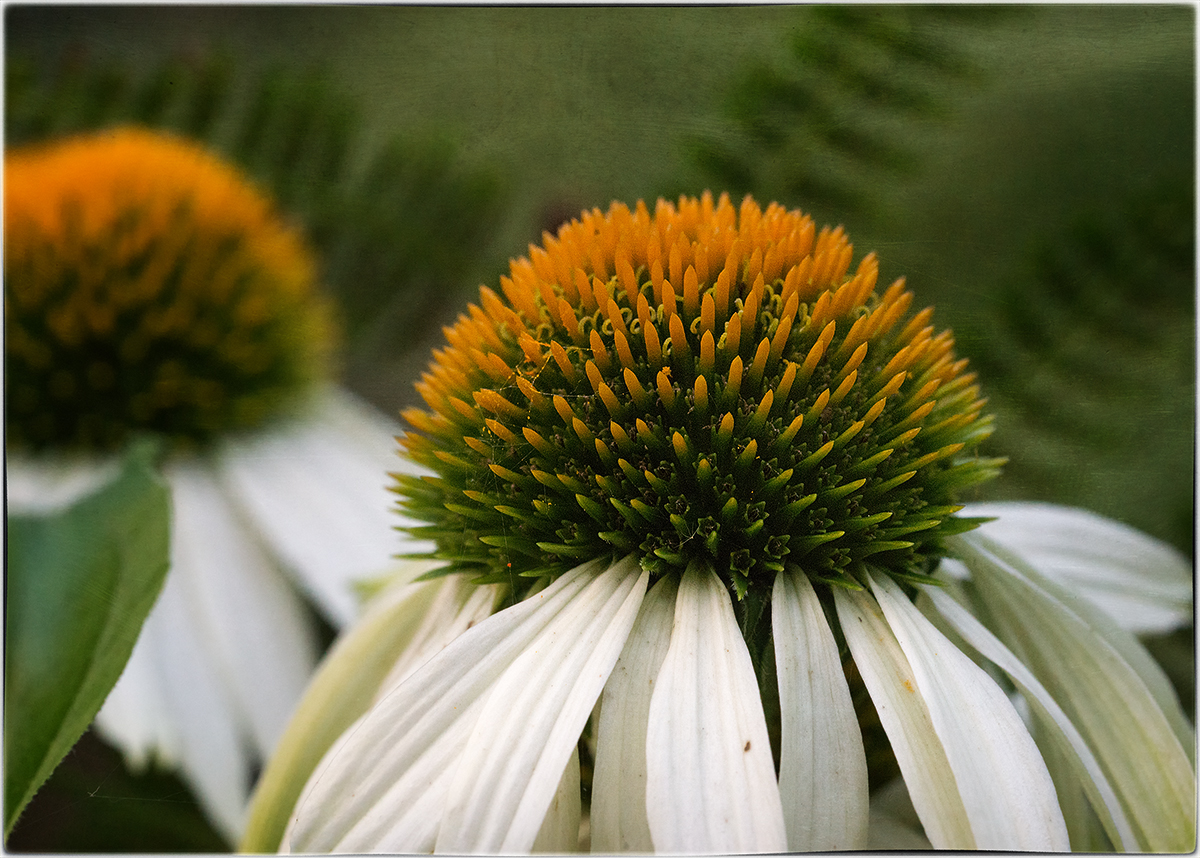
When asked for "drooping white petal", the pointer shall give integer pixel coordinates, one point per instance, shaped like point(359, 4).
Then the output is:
point(560, 829)
point(905, 718)
point(458, 606)
point(344, 687)
point(1088, 833)
point(1087, 769)
point(822, 766)
point(1083, 659)
point(255, 625)
point(318, 489)
point(135, 716)
point(618, 819)
point(43, 484)
point(1005, 787)
point(384, 785)
point(1144, 584)
point(1121, 639)
point(222, 658)
point(534, 715)
point(213, 754)
point(710, 778)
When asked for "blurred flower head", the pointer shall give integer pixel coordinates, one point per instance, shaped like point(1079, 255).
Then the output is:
point(150, 288)
point(712, 471)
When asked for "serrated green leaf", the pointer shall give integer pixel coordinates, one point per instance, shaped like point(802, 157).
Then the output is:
point(80, 584)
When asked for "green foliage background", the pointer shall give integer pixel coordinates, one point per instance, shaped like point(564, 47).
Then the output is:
point(1030, 169)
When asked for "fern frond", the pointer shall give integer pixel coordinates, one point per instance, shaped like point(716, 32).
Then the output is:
point(1092, 354)
point(846, 113)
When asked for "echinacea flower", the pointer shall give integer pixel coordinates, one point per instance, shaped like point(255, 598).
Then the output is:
point(710, 473)
point(150, 288)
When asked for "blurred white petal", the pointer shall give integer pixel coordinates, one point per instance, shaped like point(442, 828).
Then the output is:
point(821, 743)
point(135, 716)
point(304, 495)
point(318, 490)
point(44, 484)
point(710, 778)
point(254, 624)
point(1083, 659)
point(212, 737)
point(1141, 582)
point(222, 658)
point(1005, 787)
point(1078, 754)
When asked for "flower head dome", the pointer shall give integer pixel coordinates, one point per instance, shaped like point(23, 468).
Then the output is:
point(706, 384)
point(149, 287)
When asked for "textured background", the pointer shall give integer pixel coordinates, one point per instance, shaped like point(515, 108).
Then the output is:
point(1030, 169)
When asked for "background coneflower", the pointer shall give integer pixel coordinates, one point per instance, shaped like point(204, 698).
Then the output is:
point(150, 289)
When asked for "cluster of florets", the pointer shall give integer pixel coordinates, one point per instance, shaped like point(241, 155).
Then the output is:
point(706, 383)
point(149, 287)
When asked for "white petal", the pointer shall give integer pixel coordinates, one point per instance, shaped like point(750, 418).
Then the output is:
point(257, 628)
point(214, 758)
point(458, 606)
point(618, 818)
point(49, 483)
point(902, 712)
point(822, 766)
point(222, 658)
point(135, 716)
point(533, 718)
point(710, 778)
point(1084, 659)
point(560, 828)
point(341, 690)
point(318, 489)
point(1141, 582)
point(384, 785)
point(1088, 770)
point(1005, 787)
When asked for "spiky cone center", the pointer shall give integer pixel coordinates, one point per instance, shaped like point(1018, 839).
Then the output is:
point(150, 287)
point(702, 383)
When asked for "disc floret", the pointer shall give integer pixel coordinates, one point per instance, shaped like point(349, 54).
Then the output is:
point(149, 287)
point(704, 383)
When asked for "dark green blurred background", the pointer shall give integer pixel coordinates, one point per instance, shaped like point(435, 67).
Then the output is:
point(1029, 168)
